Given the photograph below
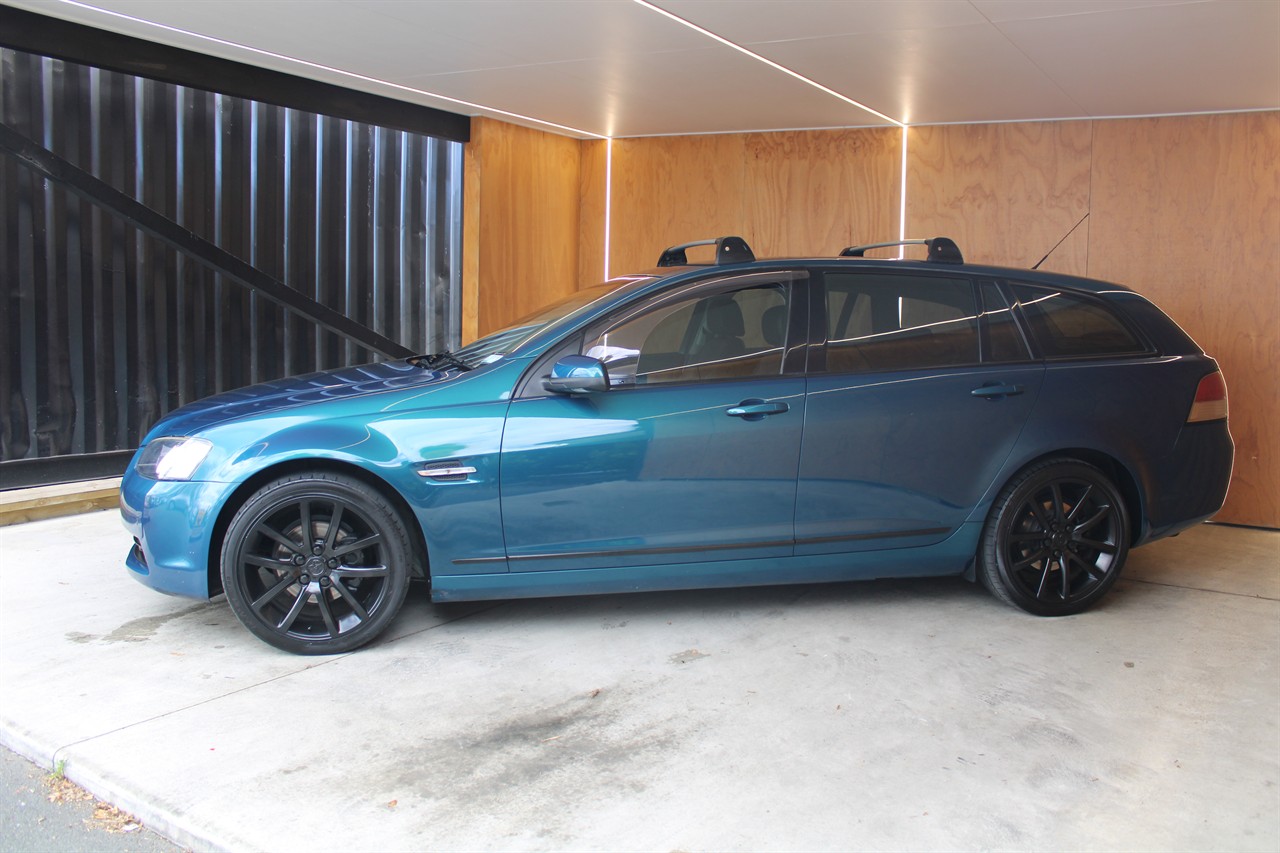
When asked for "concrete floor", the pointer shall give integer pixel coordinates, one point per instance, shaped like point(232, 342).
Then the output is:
point(887, 715)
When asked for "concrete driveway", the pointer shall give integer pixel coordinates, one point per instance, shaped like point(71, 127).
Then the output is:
point(886, 715)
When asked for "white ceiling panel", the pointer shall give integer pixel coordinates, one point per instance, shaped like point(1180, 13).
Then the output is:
point(546, 30)
point(616, 67)
point(744, 22)
point(668, 94)
point(930, 76)
point(1187, 58)
point(1023, 10)
point(350, 36)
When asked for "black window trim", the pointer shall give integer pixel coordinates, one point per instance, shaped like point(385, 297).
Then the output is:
point(984, 326)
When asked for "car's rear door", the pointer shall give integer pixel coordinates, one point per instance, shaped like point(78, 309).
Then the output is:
point(916, 398)
point(692, 453)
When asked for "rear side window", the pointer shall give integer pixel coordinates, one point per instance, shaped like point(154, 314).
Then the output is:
point(1071, 326)
point(899, 322)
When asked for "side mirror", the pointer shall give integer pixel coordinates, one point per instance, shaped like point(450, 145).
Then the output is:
point(577, 374)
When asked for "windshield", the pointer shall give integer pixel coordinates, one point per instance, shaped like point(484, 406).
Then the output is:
point(499, 343)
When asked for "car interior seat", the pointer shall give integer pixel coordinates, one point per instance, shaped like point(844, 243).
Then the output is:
point(722, 327)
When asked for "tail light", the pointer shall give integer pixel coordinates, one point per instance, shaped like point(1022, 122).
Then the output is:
point(1211, 399)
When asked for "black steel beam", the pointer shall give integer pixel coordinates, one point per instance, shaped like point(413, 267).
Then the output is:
point(54, 37)
point(23, 473)
point(44, 162)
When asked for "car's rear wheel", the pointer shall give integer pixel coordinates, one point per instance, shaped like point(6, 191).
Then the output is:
point(316, 563)
point(1056, 538)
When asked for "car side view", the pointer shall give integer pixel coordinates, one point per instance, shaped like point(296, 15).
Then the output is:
point(736, 422)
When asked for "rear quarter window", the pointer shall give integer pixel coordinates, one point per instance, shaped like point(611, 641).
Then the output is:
point(1068, 325)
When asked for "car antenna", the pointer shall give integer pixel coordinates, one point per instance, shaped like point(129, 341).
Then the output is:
point(1060, 242)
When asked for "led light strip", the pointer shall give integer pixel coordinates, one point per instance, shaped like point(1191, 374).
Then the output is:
point(784, 69)
point(902, 197)
point(351, 75)
point(608, 200)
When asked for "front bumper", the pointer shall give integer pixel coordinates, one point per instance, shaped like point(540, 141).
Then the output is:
point(172, 525)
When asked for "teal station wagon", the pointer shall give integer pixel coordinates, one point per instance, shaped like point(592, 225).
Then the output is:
point(700, 425)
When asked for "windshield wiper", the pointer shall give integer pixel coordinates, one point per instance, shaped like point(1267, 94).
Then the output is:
point(437, 360)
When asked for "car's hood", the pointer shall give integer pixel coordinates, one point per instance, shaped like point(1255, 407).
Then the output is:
point(294, 391)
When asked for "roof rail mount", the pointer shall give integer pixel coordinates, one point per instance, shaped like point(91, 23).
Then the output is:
point(942, 250)
point(729, 250)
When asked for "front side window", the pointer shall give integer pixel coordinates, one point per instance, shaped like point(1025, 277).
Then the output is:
point(881, 322)
point(1072, 326)
point(703, 334)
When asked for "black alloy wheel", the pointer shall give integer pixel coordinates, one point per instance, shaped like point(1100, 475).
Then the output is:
point(1056, 538)
point(316, 563)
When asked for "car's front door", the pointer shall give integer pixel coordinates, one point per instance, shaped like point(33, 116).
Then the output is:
point(690, 456)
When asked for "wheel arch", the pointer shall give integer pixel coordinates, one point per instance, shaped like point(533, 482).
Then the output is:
point(1119, 473)
point(419, 569)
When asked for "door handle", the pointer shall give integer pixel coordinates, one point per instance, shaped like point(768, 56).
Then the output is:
point(754, 410)
point(995, 391)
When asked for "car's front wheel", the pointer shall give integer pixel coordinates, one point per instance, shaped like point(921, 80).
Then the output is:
point(1056, 538)
point(316, 563)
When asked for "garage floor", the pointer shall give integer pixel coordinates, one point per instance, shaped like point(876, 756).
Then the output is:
point(885, 715)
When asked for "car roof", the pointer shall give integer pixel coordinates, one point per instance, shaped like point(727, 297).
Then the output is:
point(732, 254)
point(1041, 277)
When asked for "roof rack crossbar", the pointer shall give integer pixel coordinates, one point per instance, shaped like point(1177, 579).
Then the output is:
point(729, 250)
point(942, 250)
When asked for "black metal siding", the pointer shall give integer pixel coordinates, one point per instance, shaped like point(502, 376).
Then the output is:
point(107, 328)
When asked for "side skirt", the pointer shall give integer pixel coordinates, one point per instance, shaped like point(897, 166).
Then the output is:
point(950, 557)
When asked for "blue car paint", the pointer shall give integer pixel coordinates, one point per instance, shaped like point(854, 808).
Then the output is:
point(389, 420)
point(650, 476)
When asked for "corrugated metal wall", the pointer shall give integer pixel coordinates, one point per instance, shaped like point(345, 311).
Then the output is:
point(106, 329)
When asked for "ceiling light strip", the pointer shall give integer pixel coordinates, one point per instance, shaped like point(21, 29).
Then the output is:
point(902, 197)
point(785, 70)
point(608, 200)
point(350, 75)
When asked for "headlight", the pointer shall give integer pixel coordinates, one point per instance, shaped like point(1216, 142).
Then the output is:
point(172, 458)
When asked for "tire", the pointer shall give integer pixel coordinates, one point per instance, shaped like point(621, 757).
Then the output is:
point(1056, 539)
point(329, 591)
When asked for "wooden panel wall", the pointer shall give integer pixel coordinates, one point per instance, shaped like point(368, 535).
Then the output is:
point(790, 193)
point(592, 189)
point(521, 211)
point(671, 190)
point(1186, 211)
point(1006, 193)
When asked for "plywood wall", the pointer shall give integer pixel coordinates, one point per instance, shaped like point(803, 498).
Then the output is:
point(1006, 193)
point(522, 211)
point(790, 193)
point(1185, 210)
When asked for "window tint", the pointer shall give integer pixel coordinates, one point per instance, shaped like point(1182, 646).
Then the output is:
point(899, 322)
point(710, 335)
point(1001, 339)
point(1069, 326)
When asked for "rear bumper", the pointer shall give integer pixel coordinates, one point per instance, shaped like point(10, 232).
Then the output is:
point(1191, 485)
